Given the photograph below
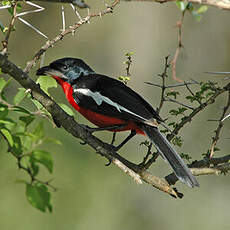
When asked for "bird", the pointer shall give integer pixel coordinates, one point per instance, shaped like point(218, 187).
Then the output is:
point(111, 105)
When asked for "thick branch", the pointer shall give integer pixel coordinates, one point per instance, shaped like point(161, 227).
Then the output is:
point(79, 3)
point(221, 4)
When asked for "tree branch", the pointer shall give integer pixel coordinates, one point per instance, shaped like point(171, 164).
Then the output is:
point(10, 29)
point(221, 4)
point(203, 105)
point(203, 167)
point(70, 30)
point(220, 126)
point(80, 3)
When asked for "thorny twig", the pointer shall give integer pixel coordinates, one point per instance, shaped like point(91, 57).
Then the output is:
point(163, 87)
point(27, 169)
point(179, 103)
point(10, 28)
point(70, 30)
point(220, 126)
point(198, 109)
point(173, 86)
point(180, 45)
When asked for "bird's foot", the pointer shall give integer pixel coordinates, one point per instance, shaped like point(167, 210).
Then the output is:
point(106, 128)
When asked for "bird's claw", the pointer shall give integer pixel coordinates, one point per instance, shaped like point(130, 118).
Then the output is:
point(109, 163)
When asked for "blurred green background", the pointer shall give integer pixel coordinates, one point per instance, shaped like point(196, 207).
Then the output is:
point(90, 195)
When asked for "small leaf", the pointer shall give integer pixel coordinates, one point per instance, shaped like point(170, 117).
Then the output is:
point(202, 9)
point(67, 109)
point(37, 104)
point(46, 83)
point(2, 28)
point(20, 110)
point(8, 123)
point(181, 5)
point(177, 141)
point(17, 147)
point(2, 84)
point(173, 94)
point(19, 96)
point(27, 119)
point(3, 111)
point(39, 132)
point(34, 167)
point(6, 133)
point(43, 158)
point(38, 196)
point(129, 54)
point(53, 140)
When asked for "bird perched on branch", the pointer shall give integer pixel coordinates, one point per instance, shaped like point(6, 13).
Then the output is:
point(111, 105)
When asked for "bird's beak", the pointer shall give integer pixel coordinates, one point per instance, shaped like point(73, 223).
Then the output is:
point(47, 70)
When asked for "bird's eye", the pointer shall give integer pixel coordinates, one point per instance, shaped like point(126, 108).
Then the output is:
point(65, 67)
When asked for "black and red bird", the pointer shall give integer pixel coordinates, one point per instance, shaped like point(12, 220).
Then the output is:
point(107, 102)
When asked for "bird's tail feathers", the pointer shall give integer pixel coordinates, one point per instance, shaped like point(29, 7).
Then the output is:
point(169, 154)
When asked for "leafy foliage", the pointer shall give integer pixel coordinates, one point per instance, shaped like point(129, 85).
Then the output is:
point(38, 196)
point(197, 12)
point(25, 136)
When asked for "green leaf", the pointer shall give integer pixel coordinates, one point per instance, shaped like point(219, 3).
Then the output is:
point(3, 111)
point(8, 123)
point(202, 9)
point(2, 28)
point(173, 94)
point(39, 132)
point(53, 140)
point(179, 111)
point(67, 109)
point(2, 84)
point(129, 54)
point(37, 104)
point(6, 133)
point(20, 109)
point(34, 167)
point(185, 156)
point(177, 141)
point(19, 96)
point(17, 147)
point(38, 196)
point(46, 83)
point(182, 5)
point(27, 119)
point(44, 158)
point(18, 9)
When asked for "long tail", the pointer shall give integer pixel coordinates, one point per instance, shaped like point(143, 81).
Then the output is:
point(168, 153)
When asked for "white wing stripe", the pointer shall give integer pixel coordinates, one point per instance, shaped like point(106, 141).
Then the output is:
point(98, 98)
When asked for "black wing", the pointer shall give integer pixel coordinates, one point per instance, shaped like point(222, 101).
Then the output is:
point(118, 100)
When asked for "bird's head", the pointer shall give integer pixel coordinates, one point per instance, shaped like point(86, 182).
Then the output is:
point(66, 69)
